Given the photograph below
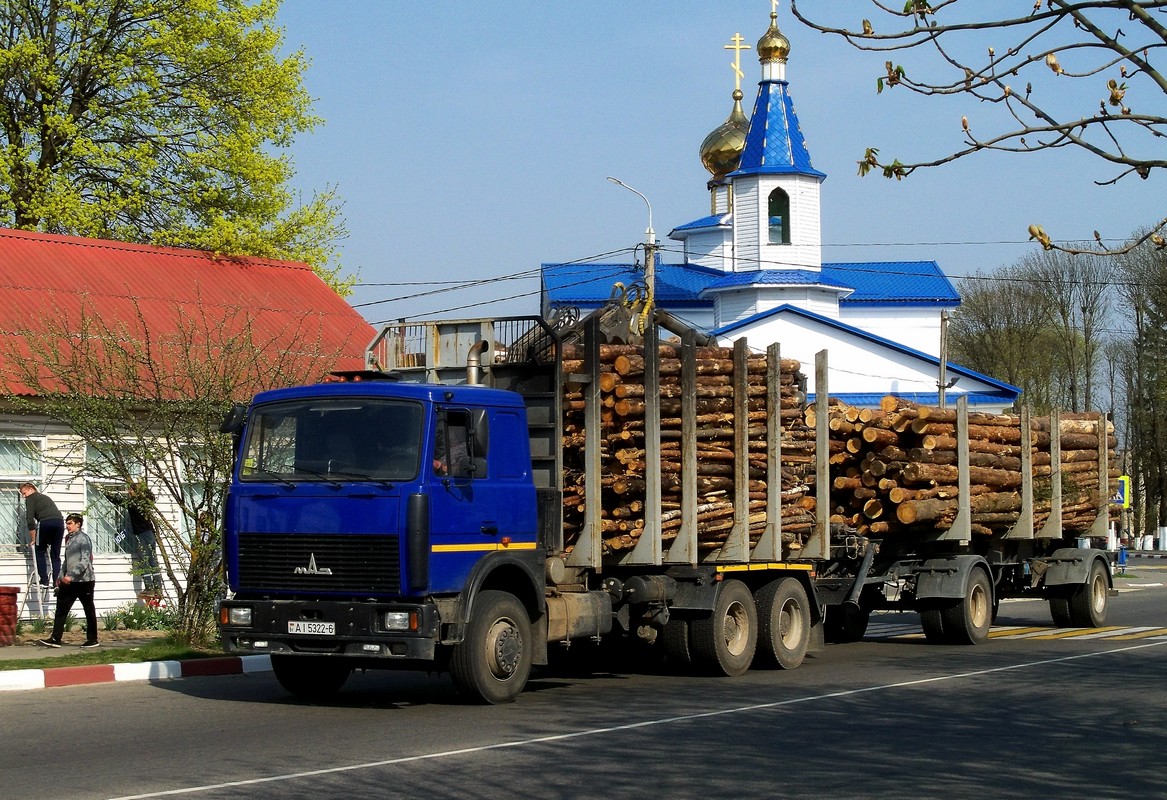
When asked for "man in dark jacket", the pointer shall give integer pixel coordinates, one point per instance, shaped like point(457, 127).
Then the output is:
point(46, 528)
point(139, 503)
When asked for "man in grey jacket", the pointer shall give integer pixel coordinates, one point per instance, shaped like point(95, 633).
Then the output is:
point(76, 583)
point(45, 529)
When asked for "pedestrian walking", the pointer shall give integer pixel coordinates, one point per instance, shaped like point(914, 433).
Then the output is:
point(46, 527)
point(76, 583)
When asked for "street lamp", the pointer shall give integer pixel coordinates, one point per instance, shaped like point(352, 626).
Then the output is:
point(649, 241)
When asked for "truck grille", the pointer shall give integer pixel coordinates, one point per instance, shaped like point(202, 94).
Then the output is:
point(334, 562)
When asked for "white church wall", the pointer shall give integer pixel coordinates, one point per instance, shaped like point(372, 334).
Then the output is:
point(918, 328)
point(855, 364)
point(746, 223)
point(805, 248)
point(712, 249)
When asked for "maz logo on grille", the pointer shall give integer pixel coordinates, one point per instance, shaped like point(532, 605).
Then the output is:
point(311, 569)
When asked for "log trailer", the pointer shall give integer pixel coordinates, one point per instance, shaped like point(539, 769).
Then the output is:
point(412, 515)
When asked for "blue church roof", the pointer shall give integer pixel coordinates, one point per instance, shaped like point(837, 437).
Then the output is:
point(591, 284)
point(895, 282)
point(774, 142)
point(877, 283)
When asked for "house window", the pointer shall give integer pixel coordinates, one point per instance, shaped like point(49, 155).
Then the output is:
point(779, 217)
point(107, 524)
point(20, 461)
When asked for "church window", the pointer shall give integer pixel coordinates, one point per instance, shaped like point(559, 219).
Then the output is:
point(779, 217)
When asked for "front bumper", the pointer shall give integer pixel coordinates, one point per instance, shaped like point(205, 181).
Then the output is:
point(358, 626)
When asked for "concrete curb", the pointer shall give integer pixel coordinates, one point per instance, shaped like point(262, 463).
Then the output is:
point(21, 679)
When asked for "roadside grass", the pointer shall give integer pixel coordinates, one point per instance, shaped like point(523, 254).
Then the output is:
point(163, 649)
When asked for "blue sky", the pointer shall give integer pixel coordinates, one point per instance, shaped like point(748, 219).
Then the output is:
point(470, 142)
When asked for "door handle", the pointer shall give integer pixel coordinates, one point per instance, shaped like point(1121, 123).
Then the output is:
point(489, 529)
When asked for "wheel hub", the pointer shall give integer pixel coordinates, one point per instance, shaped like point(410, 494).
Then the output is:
point(504, 649)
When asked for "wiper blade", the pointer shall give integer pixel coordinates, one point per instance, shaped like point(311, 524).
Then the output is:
point(321, 475)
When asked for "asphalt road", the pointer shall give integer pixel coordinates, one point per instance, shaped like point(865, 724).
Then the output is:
point(1024, 715)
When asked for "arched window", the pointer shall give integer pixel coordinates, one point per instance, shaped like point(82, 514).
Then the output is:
point(779, 217)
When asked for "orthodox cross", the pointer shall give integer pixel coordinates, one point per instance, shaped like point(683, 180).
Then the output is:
point(737, 47)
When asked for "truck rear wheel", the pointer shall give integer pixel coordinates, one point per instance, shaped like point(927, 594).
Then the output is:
point(493, 661)
point(310, 677)
point(969, 619)
point(932, 621)
point(1089, 602)
point(783, 623)
point(676, 641)
point(725, 641)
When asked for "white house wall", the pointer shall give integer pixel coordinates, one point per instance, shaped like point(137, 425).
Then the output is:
point(63, 480)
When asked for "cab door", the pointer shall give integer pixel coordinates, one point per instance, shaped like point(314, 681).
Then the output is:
point(475, 509)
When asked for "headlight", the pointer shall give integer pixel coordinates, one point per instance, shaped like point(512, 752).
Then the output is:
point(237, 616)
point(399, 621)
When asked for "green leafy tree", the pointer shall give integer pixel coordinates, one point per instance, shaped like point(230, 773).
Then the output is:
point(1012, 61)
point(161, 122)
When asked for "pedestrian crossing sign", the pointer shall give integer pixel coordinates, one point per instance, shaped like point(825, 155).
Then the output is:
point(1122, 497)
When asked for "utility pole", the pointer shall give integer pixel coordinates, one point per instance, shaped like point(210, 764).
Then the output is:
point(649, 249)
point(942, 383)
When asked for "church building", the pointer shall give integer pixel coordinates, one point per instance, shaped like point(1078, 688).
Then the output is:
point(753, 266)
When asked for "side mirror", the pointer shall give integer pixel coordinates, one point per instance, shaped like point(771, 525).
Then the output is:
point(233, 420)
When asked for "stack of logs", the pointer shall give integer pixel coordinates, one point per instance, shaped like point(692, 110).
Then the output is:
point(894, 470)
point(622, 447)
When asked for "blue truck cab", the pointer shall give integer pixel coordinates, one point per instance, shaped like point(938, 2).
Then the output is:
point(363, 517)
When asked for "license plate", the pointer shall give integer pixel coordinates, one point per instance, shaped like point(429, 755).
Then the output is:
point(312, 628)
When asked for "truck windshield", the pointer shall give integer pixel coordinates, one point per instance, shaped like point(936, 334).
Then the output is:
point(349, 439)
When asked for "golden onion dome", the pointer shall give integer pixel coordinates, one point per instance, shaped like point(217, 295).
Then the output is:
point(773, 46)
point(722, 148)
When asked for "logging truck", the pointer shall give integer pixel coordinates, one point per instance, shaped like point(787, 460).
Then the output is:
point(485, 493)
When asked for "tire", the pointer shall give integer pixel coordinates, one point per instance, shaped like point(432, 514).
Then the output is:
point(932, 621)
point(1090, 602)
point(968, 620)
point(492, 663)
point(310, 677)
point(676, 641)
point(724, 641)
point(783, 624)
point(1059, 609)
point(845, 623)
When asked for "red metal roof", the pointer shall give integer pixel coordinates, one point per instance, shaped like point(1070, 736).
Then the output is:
point(51, 283)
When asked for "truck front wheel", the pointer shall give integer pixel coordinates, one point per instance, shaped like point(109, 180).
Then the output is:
point(492, 663)
point(310, 677)
point(783, 623)
point(724, 641)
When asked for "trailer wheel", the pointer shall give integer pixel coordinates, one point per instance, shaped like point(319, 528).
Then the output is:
point(783, 623)
point(1089, 602)
point(676, 641)
point(969, 619)
point(310, 677)
point(725, 641)
point(492, 663)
